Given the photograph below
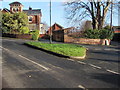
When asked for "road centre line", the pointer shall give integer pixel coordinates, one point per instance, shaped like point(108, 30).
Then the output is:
point(46, 68)
point(95, 66)
point(35, 62)
point(81, 62)
point(112, 71)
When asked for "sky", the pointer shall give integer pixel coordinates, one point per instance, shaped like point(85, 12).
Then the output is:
point(58, 13)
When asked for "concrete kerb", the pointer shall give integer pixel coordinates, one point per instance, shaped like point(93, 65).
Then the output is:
point(56, 54)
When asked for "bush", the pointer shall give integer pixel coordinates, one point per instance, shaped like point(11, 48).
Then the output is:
point(5, 30)
point(35, 35)
point(24, 30)
point(107, 27)
point(98, 34)
point(106, 34)
point(92, 34)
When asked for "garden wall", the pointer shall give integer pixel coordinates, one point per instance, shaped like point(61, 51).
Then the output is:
point(68, 39)
point(64, 36)
point(20, 36)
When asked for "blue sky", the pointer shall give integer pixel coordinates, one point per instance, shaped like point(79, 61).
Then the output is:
point(58, 14)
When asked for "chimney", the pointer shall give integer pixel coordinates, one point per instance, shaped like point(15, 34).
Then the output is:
point(30, 8)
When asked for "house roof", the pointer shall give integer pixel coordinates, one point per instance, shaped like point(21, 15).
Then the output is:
point(5, 9)
point(33, 12)
point(58, 25)
point(116, 27)
point(15, 3)
point(69, 28)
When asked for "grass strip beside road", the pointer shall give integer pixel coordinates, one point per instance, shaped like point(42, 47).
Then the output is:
point(64, 49)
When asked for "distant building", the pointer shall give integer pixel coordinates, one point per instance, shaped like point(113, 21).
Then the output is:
point(34, 15)
point(88, 25)
point(54, 27)
point(116, 29)
point(43, 28)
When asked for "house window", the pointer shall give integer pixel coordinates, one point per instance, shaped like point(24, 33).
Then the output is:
point(30, 18)
point(15, 9)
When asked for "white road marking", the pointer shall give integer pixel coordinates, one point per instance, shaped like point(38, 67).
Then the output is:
point(70, 59)
point(81, 62)
point(112, 71)
point(80, 86)
point(46, 68)
point(4, 48)
point(95, 66)
point(35, 62)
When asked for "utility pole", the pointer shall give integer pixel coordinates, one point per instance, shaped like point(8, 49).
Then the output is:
point(111, 14)
point(119, 13)
point(50, 25)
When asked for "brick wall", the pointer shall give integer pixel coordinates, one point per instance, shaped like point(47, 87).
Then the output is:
point(62, 35)
point(68, 39)
point(20, 36)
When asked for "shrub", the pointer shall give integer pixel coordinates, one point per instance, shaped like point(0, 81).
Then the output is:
point(5, 30)
point(106, 34)
point(35, 35)
point(107, 27)
point(92, 34)
point(98, 34)
point(24, 30)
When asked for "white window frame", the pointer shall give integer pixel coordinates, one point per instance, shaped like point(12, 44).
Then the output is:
point(29, 18)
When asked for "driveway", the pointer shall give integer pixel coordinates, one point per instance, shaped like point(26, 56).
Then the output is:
point(25, 67)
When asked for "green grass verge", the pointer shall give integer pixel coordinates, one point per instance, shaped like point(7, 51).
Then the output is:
point(64, 49)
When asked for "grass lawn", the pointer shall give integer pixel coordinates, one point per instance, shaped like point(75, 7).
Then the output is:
point(64, 49)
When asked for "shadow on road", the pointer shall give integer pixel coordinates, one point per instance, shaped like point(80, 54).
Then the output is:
point(116, 53)
point(108, 78)
point(108, 60)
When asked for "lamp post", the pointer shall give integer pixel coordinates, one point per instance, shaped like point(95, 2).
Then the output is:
point(50, 25)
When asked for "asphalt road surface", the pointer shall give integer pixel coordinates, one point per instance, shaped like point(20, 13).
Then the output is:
point(26, 67)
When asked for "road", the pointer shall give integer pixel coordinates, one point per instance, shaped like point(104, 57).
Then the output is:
point(25, 67)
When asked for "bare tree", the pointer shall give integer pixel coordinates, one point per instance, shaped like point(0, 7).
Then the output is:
point(95, 9)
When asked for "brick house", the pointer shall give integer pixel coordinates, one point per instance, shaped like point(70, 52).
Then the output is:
point(116, 29)
point(34, 15)
point(116, 36)
point(54, 27)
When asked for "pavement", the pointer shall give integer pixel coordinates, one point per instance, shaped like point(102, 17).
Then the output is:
point(26, 67)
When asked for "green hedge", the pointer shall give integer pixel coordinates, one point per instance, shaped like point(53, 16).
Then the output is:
point(98, 34)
